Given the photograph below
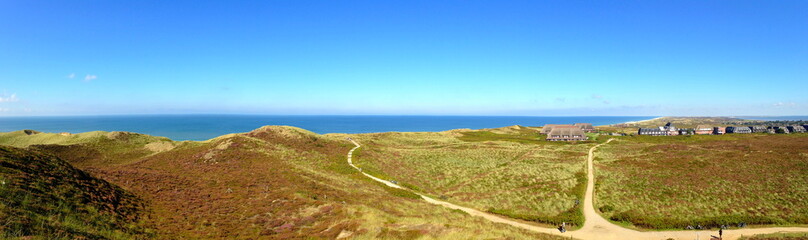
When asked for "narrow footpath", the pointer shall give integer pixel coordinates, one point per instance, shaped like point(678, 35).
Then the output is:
point(595, 226)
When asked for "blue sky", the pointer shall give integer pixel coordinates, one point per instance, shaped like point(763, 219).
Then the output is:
point(544, 58)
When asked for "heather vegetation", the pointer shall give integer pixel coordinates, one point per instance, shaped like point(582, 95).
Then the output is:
point(271, 183)
point(90, 148)
point(285, 182)
point(508, 171)
point(43, 197)
point(678, 181)
point(778, 236)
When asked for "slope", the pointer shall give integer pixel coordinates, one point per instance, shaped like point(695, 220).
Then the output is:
point(42, 196)
point(91, 148)
point(283, 183)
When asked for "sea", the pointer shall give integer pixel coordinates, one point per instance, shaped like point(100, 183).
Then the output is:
point(204, 127)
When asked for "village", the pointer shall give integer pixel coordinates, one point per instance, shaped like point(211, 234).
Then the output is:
point(578, 131)
point(671, 130)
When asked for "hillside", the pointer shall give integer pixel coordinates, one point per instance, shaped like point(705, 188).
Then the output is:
point(43, 197)
point(280, 182)
point(675, 181)
point(91, 148)
point(510, 171)
point(688, 122)
point(272, 183)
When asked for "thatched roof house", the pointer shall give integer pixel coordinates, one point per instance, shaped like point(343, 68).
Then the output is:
point(796, 129)
point(759, 129)
point(652, 131)
point(586, 127)
point(548, 127)
point(704, 129)
point(739, 130)
point(566, 133)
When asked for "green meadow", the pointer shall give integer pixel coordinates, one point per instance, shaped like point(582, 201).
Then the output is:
point(678, 181)
point(509, 171)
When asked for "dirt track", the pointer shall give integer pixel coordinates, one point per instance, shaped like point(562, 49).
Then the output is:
point(595, 227)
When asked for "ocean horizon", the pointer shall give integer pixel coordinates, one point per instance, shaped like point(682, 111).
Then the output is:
point(199, 127)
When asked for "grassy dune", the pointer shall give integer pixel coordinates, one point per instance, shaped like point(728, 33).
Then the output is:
point(284, 182)
point(43, 197)
point(672, 182)
point(686, 122)
point(91, 148)
point(509, 171)
point(272, 183)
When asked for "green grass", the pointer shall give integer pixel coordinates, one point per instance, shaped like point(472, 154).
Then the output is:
point(572, 216)
point(673, 182)
point(690, 122)
point(400, 192)
point(22, 139)
point(276, 183)
point(508, 171)
point(90, 148)
point(483, 136)
point(45, 198)
point(777, 236)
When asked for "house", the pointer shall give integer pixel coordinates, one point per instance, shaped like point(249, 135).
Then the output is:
point(586, 127)
point(667, 130)
point(739, 130)
point(779, 129)
point(704, 130)
point(685, 131)
point(796, 129)
point(652, 131)
point(719, 130)
point(672, 130)
point(547, 128)
point(759, 129)
point(566, 133)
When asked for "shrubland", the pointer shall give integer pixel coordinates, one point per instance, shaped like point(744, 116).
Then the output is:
point(777, 236)
point(271, 183)
point(710, 180)
point(284, 182)
point(44, 197)
point(509, 171)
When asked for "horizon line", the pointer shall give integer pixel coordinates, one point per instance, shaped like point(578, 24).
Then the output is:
point(380, 115)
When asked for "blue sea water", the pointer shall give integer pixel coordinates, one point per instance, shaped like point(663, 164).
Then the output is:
point(203, 127)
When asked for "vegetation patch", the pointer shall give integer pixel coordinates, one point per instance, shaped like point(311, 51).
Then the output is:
point(778, 236)
point(510, 171)
point(679, 181)
point(272, 183)
point(44, 197)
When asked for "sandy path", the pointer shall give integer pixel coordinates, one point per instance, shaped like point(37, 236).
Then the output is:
point(595, 226)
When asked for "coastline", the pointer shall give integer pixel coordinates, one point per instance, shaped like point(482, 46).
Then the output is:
point(204, 127)
point(637, 122)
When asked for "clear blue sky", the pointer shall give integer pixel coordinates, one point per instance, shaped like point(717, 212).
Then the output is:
point(404, 57)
